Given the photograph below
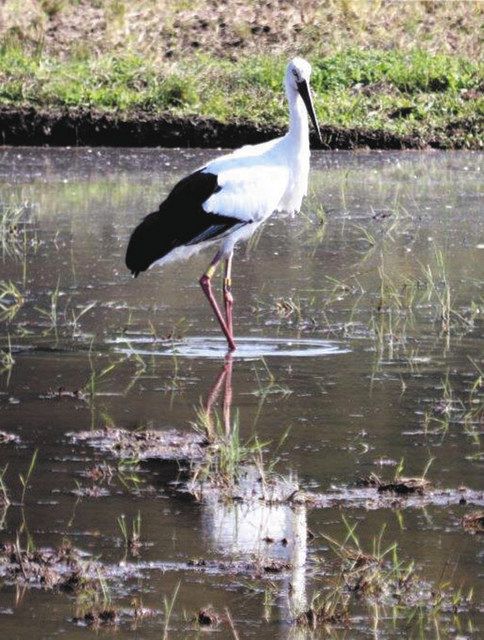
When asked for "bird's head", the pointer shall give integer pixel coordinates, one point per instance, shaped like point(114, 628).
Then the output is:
point(298, 70)
point(298, 75)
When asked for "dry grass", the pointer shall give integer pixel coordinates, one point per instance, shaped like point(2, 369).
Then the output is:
point(179, 28)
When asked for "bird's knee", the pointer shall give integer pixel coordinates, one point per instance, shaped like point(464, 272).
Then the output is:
point(205, 281)
point(228, 291)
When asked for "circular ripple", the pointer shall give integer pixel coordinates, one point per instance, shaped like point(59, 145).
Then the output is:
point(215, 347)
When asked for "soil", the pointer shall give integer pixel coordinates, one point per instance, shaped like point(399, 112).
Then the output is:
point(314, 619)
point(249, 487)
point(77, 127)
point(145, 445)
point(113, 616)
point(207, 617)
point(8, 438)
point(62, 392)
point(255, 568)
point(371, 497)
point(474, 522)
point(94, 618)
point(232, 28)
point(62, 568)
point(400, 485)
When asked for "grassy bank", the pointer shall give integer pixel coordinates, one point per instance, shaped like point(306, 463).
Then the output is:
point(427, 94)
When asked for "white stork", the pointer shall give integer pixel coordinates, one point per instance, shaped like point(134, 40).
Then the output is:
point(228, 198)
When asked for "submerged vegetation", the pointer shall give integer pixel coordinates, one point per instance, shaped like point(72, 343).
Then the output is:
point(381, 580)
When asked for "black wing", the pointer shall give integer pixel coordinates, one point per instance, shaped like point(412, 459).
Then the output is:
point(180, 220)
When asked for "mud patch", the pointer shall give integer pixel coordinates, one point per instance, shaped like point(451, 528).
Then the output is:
point(113, 616)
point(208, 617)
point(370, 497)
point(63, 568)
point(400, 485)
point(62, 393)
point(79, 127)
point(145, 445)
point(251, 483)
point(66, 569)
point(258, 567)
point(474, 522)
point(8, 438)
point(101, 618)
point(323, 615)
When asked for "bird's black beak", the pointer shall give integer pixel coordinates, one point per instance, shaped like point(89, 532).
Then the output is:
point(305, 93)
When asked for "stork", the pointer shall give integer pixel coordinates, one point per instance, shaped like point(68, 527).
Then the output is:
point(225, 201)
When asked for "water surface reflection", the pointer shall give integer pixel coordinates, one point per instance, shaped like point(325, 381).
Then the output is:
point(361, 321)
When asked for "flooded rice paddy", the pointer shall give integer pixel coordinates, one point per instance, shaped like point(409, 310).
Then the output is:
point(326, 481)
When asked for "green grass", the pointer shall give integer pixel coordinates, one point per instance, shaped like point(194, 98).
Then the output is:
point(414, 93)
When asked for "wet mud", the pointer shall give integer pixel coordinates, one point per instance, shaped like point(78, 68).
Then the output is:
point(474, 522)
point(28, 126)
point(145, 444)
point(63, 568)
point(252, 483)
point(8, 438)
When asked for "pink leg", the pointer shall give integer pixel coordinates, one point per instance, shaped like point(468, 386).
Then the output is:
point(211, 399)
point(215, 390)
point(224, 379)
point(228, 298)
point(227, 403)
point(206, 284)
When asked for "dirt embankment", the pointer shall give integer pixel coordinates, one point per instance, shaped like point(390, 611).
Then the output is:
point(77, 127)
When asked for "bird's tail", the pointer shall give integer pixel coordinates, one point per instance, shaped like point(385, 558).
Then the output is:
point(133, 259)
point(146, 244)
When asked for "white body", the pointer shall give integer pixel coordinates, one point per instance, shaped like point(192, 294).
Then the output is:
point(257, 180)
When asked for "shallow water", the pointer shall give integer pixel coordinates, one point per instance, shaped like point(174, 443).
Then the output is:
point(359, 324)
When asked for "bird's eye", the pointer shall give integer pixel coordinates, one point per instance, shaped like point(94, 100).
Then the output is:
point(294, 73)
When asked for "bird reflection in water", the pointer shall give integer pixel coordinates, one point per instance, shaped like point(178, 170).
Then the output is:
point(255, 528)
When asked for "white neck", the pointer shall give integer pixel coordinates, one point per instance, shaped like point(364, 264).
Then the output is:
point(298, 117)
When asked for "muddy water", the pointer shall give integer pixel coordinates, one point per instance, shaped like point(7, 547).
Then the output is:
point(360, 341)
